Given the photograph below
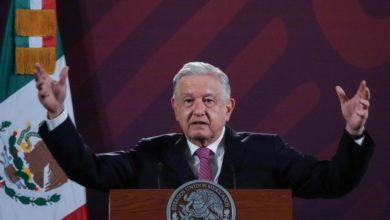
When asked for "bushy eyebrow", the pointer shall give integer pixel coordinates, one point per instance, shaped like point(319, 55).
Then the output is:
point(205, 95)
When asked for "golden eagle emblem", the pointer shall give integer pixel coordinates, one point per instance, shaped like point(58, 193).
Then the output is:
point(27, 164)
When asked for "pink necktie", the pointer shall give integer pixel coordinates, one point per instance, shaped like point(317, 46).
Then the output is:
point(205, 169)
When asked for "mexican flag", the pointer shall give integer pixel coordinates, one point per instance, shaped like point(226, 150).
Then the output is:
point(32, 185)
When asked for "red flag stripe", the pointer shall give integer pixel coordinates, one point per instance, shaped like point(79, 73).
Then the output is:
point(79, 214)
point(48, 41)
point(48, 4)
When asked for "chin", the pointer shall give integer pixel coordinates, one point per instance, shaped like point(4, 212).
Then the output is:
point(199, 136)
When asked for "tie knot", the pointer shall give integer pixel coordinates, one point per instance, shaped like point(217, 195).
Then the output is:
point(203, 152)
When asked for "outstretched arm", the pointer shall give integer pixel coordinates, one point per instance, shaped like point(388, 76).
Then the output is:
point(51, 93)
point(355, 109)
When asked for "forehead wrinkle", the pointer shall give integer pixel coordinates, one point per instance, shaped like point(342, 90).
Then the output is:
point(189, 94)
point(189, 88)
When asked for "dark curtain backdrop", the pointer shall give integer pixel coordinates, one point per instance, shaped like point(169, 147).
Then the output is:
point(284, 59)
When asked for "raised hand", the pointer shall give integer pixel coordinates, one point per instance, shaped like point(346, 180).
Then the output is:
point(355, 110)
point(51, 93)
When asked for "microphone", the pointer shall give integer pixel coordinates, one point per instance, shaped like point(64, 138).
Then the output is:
point(159, 168)
point(233, 170)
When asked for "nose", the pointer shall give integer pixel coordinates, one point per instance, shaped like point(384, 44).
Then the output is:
point(199, 108)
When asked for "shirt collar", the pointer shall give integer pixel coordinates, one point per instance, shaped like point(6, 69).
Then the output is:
point(213, 146)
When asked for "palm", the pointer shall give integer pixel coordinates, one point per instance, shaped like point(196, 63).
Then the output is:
point(58, 97)
point(51, 93)
point(355, 110)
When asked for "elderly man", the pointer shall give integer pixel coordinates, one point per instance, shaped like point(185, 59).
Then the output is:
point(207, 148)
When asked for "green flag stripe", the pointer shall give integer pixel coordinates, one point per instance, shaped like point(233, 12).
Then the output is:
point(59, 49)
point(22, 4)
point(9, 81)
point(21, 41)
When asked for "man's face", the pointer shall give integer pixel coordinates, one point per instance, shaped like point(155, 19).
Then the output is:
point(200, 108)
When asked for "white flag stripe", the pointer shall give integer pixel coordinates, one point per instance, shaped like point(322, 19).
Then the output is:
point(72, 194)
point(35, 42)
point(60, 64)
point(36, 4)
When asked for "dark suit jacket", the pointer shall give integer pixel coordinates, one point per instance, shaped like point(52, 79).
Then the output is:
point(251, 160)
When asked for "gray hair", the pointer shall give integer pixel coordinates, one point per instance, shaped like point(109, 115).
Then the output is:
point(200, 68)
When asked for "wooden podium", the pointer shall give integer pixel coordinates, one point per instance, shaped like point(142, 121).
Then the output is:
point(151, 204)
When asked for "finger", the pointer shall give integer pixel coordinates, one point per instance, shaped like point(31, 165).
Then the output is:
point(38, 79)
point(341, 94)
point(362, 114)
point(43, 94)
point(39, 85)
point(365, 103)
point(40, 71)
point(362, 89)
point(367, 93)
point(37, 74)
point(362, 85)
point(64, 75)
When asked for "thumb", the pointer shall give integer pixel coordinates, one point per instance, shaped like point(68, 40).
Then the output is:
point(63, 75)
point(341, 94)
point(363, 90)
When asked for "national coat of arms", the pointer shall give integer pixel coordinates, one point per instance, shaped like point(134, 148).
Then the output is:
point(200, 199)
point(28, 171)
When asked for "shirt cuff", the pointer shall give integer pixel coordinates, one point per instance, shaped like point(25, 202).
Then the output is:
point(359, 141)
point(55, 122)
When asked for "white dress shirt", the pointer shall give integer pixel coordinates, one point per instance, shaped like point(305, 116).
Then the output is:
point(218, 150)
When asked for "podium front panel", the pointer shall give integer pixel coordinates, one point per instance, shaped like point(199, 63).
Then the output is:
point(151, 204)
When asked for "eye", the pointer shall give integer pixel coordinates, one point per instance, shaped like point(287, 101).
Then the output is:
point(188, 101)
point(209, 102)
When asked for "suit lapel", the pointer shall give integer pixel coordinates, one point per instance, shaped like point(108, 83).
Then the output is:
point(175, 159)
point(234, 154)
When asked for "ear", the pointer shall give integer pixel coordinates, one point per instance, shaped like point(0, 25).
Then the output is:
point(229, 108)
point(174, 107)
